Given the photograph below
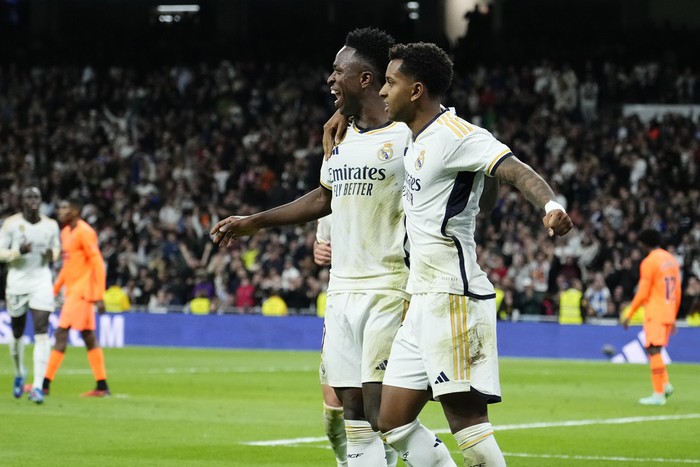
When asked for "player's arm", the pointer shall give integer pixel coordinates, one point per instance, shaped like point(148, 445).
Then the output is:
point(60, 280)
point(643, 290)
point(537, 191)
point(322, 245)
point(6, 253)
point(490, 194)
point(97, 265)
point(53, 250)
point(334, 131)
point(311, 206)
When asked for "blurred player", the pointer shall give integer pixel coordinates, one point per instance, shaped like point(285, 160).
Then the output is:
point(447, 344)
point(29, 242)
point(366, 294)
point(83, 276)
point(333, 422)
point(659, 292)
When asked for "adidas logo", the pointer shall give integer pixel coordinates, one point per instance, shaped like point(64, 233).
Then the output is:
point(382, 365)
point(442, 378)
point(438, 442)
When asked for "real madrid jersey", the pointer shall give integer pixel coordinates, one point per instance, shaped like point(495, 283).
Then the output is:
point(365, 174)
point(28, 272)
point(445, 168)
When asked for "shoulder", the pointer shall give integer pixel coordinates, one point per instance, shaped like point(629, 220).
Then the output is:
point(12, 220)
point(49, 221)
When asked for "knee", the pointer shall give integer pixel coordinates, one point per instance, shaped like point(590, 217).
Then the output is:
point(61, 339)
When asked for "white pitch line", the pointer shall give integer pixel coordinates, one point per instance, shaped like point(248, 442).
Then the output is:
point(521, 426)
point(656, 460)
point(193, 370)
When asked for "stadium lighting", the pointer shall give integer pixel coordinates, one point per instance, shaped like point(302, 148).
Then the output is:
point(192, 8)
point(413, 5)
point(414, 15)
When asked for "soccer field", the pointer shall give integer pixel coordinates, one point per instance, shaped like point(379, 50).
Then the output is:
point(189, 407)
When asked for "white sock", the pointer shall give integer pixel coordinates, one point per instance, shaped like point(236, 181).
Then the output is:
point(334, 425)
point(418, 447)
point(17, 354)
point(365, 447)
point(42, 350)
point(479, 446)
point(391, 456)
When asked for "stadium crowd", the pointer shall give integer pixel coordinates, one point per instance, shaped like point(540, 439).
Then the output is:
point(160, 155)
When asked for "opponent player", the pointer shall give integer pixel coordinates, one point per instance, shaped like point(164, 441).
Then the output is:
point(83, 275)
point(448, 340)
point(659, 291)
point(29, 242)
point(366, 294)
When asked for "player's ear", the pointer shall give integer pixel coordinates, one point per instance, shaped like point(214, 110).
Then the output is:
point(417, 90)
point(366, 78)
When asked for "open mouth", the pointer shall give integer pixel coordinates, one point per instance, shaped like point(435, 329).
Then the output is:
point(337, 95)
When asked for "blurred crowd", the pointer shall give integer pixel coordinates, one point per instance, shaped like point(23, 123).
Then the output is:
point(160, 155)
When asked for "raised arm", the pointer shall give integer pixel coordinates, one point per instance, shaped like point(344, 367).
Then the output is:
point(537, 191)
point(311, 206)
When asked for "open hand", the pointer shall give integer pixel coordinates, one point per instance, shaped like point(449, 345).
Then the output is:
point(226, 231)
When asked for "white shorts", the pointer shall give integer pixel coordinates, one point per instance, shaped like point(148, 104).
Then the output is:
point(448, 343)
point(358, 333)
point(41, 300)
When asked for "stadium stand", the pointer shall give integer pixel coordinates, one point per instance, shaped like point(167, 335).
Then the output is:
point(161, 154)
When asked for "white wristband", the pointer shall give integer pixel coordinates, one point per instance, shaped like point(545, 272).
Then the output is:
point(553, 206)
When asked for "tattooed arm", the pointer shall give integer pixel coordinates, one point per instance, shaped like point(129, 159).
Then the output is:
point(537, 191)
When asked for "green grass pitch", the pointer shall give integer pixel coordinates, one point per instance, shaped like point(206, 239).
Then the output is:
point(186, 407)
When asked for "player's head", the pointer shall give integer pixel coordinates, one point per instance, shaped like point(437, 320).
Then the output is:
point(650, 239)
point(69, 210)
point(418, 71)
point(359, 66)
point(31, 200)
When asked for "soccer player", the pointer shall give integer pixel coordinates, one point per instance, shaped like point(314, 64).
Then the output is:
point(447, 344)
point(366, 293)
point(29, 242)
point(333, 422)
point(83, 276)
point(659, 291)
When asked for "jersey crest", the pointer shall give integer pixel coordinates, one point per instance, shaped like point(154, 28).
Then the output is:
point(386, 152)
point(421, 160)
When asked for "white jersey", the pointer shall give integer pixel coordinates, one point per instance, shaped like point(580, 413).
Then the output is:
point(445, 168)
point(29, 272)
point(365, 174)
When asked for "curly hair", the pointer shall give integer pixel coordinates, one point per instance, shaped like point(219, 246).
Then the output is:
point(373, 46)
point(651, 238)
point(427, 63)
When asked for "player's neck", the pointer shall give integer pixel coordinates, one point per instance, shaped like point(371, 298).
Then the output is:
point(424, 115)
point(32, 217)
point(372, 114)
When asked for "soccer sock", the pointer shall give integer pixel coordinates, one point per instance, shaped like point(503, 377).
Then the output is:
point(17, 354)
point(365, 447)
point(391, 456)
point(479, 446)
point(658, 372)
point(418, 447)
point(97, 362)
point(55, 360)
point(42, 350)
point(334, 425)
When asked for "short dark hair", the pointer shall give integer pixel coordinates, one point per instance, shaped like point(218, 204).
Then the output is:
point(651, 238)
point(373, 46)
point(75, 203)
point(427, 63)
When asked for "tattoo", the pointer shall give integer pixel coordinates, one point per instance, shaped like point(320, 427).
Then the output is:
point(521, 176)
